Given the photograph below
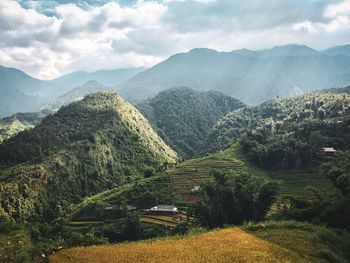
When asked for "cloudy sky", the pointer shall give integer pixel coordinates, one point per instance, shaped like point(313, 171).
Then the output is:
point(49, 38)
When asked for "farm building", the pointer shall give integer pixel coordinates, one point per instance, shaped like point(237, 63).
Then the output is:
point(328, 150)
point(164, 209)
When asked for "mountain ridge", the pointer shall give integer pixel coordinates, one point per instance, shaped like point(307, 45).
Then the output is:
point(251, 76)
point(86, 147)
point(184, 117)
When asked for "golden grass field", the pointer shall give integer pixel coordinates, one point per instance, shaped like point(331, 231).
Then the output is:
point(227, 245)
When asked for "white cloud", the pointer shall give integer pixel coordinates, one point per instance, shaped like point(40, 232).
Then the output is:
point(50, 39)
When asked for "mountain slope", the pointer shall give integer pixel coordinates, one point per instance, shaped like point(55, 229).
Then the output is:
point(110, 78)
point(338, 50)
point(11, 78)
point(251, 76)
point(20, 92)
point(288, 133)
point(184, 117)
point(86, 147)
point(18, 122)
point(13, 100)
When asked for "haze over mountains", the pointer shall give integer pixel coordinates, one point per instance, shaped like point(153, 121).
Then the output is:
point(251, 76)
point(106, 77)
point(20, 92)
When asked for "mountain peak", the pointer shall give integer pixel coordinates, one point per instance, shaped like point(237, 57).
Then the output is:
point(289, 50)
point(202, 51)
point(84, 148)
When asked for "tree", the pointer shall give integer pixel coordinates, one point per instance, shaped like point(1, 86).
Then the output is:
point(233, 198)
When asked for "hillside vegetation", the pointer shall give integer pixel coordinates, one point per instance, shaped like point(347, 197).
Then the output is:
point(10, 126)
point(184, 117)
point(288, 133)
point(85, 148)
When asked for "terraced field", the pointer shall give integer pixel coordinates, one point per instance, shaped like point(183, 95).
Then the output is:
point(166, 220)
point(296, 182)
point(191, 173)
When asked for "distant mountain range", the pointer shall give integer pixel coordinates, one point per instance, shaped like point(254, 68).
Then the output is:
point(20, 92)
point(251, 76)
point(109, 78)
point(75, 94)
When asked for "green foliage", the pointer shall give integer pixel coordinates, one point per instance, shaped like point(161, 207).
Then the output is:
point(234, 198)
point(143, 193)
point(184, 117)
point(338, 171)
point(85, 148)
point(288, 133)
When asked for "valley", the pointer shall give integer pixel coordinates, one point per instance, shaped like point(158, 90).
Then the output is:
point(174, 131)
point(96, 189)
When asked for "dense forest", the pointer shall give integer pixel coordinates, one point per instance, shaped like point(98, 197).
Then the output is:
point(288, 133)
point(184, 117)
point(86, 147)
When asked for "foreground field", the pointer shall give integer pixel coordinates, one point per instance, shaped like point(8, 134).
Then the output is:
point(228, 245)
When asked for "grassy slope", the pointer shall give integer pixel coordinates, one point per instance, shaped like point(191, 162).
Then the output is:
point(10, 126)
point(196, 171)
point(7, 130)
point(315, 243)
point(227, 245)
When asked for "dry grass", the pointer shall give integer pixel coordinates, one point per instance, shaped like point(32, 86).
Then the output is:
point(228, 245)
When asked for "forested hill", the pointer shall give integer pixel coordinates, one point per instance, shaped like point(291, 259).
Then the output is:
point(86, 147)
point(10, 126)
point(184, 117)
point(288, 132)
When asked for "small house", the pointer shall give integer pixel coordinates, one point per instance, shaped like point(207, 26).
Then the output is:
point(164, 209)
point(329, 150)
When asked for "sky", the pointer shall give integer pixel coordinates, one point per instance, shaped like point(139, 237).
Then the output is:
point(49, 38)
